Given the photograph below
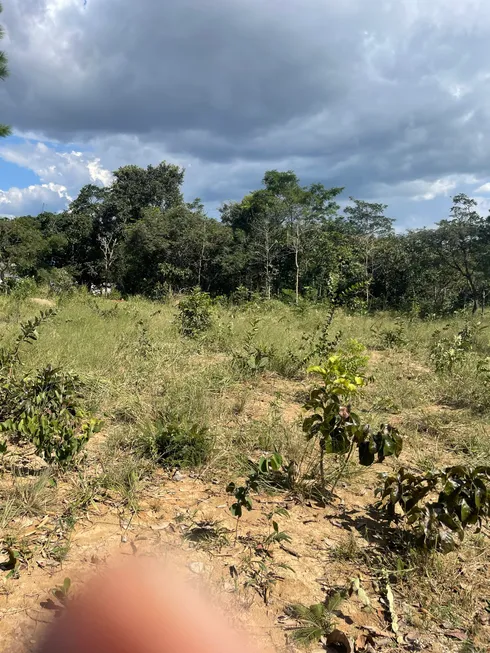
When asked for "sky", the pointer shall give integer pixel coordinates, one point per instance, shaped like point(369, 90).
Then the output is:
point(388, 98)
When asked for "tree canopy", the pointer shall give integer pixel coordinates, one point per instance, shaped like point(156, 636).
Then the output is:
point(283, 239)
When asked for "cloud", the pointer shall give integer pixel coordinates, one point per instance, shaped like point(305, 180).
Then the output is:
point(70, 168)
point(484, 188)
point(381, 96)
point(33, 199)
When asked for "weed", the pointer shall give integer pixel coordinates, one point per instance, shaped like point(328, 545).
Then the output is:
point(123, 477)
point(207, 534)
point(314, 621)
point(347, 550)
point(26, 498)
point(173, 444)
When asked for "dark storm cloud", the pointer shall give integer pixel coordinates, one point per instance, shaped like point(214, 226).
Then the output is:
point(360, 92)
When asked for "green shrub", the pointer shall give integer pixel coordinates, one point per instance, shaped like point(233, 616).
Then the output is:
point(176, 445)
point(253, 358)
point(241, 295)
point(195, 313)
point(439, 505)
point(447, 352)
point(391, 337)
point(59, 280)
point(46, 410)
point(23, 288)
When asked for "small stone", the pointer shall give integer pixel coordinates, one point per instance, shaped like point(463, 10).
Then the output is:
point(178, 476)
point(197, 567)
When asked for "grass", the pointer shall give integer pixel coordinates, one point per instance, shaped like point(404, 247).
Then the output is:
point(142, 375)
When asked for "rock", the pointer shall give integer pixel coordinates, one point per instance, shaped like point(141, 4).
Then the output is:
point(197, 567)
point(178, 476)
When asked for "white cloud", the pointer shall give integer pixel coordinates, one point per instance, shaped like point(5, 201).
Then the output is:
point(485, 188)
point(71, 169)
point(33, 199)
point(61, 175)
point(435, 188)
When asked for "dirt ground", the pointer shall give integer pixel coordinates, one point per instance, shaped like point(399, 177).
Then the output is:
point(168, 508)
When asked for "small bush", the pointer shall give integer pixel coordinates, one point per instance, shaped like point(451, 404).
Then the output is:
point(446, 352)
point(241, 295)
point(390, 338)
point(46, 409)
point(59, 280)
point(175, 445)
point(195, 313)
point(439, 505)
point(23, 288)
point(253, 358)
point(337, 429)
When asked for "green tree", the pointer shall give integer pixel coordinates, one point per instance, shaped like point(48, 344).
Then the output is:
point(369, 224)
point(135, 189)
point(304, 208)
point(22, 247)
point(462, 245)
point(4, 130)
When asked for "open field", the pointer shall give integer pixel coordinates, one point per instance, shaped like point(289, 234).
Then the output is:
point(141, 375)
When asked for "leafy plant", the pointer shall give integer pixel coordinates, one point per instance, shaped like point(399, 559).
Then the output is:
point(61, 592)
point(241, 493)
point(439, 505)
point(262, 575)
point(253, 358)
point(46, 409)
point(9, 356)
point(175, 444)
point(391, 337)
point(195, 313)
point(314, 621)
point(446, 352)
point(143, 345)
point(12, 565)
point(336, 427)
point(276, 536)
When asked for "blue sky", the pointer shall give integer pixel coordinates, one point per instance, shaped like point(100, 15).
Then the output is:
point(387, 98)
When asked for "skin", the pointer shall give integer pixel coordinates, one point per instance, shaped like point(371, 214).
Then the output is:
point(141, 608)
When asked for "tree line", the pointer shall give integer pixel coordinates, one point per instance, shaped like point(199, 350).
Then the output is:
point(284, 239)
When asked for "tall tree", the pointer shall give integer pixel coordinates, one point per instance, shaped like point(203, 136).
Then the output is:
point(135, 189)
point(4, 130)
point(368, 223)
point(462, 245)
point(304, 208)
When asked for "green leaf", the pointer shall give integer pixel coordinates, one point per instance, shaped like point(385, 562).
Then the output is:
point(466, 511)
point(276, 462)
